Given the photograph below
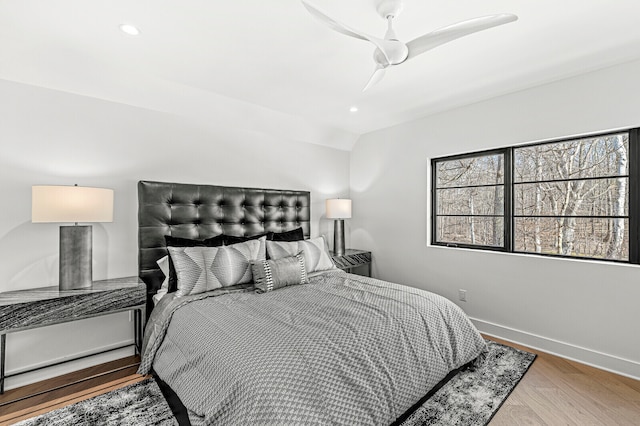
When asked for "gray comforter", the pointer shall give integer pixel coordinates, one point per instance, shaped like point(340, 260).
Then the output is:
point(342, 349)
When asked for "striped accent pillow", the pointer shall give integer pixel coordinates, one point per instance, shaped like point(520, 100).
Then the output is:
point(269, 275)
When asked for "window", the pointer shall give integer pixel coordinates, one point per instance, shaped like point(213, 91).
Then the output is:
point(567, 198)
point(470, 200)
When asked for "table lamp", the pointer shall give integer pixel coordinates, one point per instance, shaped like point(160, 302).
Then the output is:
point(73, 204)
point(338, 209)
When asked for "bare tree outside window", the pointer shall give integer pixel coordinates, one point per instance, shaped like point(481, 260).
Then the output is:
point(470, 200)
point(566, 198)
point(571, 198)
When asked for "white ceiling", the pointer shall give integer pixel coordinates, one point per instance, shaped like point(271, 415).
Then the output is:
point(272, 59)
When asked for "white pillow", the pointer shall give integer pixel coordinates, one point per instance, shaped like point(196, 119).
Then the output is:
point(163, 264)
point(316, 252)
point(159, 295)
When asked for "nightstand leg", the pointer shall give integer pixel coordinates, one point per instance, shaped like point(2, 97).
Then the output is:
point(138, 329)
point(3, 345)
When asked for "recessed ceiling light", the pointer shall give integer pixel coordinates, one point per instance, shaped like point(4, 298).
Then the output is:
point(129, 29)
point(353, 109)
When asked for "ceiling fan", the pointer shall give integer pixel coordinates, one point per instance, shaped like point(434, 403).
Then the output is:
point(390, 51)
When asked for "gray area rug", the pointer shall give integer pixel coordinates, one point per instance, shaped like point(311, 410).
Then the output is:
point(470, 398)
point(139, 404)
point(473, 396)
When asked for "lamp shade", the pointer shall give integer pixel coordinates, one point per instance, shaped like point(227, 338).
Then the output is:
point(338, 208)
point(71, 204)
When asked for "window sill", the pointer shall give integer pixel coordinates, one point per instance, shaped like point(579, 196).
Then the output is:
point(534, 256)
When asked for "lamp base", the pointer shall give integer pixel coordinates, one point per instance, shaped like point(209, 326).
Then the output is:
point(75, 257)
point(338, 237)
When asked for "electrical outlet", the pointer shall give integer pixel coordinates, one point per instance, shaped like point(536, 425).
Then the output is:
point(462, 295)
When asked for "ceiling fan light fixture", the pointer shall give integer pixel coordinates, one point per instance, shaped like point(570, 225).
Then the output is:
point(129, 29)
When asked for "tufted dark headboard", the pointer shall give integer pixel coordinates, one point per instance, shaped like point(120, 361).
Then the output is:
point(203, 211)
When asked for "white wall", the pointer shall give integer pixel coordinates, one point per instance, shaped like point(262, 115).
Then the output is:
point(51, 137)
point(583, 310)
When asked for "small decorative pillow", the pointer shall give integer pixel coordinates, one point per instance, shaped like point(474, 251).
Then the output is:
point(201, 269)
point(269, 275)
point(316, 254)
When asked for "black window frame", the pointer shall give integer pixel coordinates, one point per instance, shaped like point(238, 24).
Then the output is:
point(506, 184)
point(508, 208)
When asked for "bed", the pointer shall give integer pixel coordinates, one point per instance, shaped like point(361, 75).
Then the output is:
point(288, 339)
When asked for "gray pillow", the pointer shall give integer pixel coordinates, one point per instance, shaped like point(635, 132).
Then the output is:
point(201, 269)
point(271, 274)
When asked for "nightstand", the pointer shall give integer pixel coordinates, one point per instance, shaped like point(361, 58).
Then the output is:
point(352, 258)
point(40, 307)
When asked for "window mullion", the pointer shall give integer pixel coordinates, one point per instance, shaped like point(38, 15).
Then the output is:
point(508, 199)
point(634, 196)
point(434, 224)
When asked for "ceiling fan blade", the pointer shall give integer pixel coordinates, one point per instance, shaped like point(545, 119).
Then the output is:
point(334, 25)
point(375, 78)
point(381, 44)
point(449, 33)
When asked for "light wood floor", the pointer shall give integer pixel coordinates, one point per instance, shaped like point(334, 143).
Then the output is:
point(67, 389)
point(554, 391)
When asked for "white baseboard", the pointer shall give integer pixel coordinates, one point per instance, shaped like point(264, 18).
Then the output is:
point(95, 356)
point(603, 361)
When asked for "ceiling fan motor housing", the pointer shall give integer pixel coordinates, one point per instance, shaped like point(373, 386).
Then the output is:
point(390, 8)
